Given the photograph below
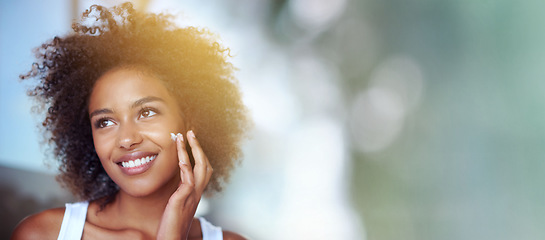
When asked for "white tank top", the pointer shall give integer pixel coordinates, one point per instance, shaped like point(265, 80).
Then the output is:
point(76, 213)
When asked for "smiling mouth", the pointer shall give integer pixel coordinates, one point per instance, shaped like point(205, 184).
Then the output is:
point(138, 162)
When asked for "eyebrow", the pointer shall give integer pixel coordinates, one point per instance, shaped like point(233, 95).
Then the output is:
point(100, 111)
point(136, 104)
point(145, 100)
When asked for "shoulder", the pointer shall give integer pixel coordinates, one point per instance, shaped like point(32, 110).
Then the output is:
point(228, 235)
point(43, 225)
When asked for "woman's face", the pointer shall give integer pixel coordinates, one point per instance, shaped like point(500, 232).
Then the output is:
point(132, 115)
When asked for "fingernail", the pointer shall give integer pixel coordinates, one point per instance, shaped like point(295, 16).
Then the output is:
point(191, 133)
point(173, 136)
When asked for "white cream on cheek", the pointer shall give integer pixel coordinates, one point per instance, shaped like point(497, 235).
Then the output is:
point(173, 136)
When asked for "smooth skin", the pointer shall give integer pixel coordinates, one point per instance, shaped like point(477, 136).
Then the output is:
point(132, 114)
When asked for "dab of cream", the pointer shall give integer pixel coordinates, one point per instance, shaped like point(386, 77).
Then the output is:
point(173, 136)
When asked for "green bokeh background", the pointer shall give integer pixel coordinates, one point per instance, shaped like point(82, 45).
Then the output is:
point(468, 162)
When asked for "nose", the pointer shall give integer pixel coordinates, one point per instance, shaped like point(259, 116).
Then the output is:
point(129, 136)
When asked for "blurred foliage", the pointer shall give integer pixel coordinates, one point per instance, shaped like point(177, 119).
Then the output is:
point(467, 164)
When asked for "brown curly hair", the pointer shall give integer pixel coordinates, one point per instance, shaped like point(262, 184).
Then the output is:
point(190, 62)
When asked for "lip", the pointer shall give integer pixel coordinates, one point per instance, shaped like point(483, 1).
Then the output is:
point(133, 156)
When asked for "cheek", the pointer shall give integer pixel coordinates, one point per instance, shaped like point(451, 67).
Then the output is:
point(161, 138)
point(160, 132)
point(102, 147)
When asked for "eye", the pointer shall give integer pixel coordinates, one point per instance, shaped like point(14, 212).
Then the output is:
point(104, 122)
point(147, 112)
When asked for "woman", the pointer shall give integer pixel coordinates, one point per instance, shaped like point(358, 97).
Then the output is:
point(115, 91)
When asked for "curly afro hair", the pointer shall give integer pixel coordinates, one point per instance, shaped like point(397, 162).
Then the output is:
point(190, 62)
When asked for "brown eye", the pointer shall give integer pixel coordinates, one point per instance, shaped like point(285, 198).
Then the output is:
point(102, 123)
point(145, 113)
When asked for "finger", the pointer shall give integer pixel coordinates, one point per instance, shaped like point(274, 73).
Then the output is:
point(186, 174)
point(203, 169)
point(180, 196)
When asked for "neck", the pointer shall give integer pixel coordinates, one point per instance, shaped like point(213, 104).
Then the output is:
point(141, 212)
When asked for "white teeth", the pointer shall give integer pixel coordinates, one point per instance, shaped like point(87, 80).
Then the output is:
point(138, 162)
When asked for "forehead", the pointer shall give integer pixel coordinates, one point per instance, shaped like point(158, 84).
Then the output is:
point(125, 85)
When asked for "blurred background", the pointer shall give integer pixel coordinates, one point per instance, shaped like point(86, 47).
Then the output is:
point(375, 119)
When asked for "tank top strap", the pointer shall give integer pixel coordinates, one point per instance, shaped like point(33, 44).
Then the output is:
point(209, 231)
point(73, 221)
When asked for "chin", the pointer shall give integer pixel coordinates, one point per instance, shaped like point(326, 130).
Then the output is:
point(147, 188)
point(137, 192)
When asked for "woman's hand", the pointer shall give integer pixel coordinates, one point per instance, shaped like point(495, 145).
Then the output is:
point(181, 207)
